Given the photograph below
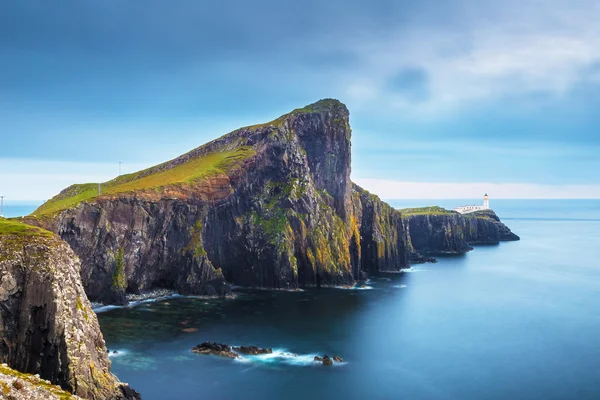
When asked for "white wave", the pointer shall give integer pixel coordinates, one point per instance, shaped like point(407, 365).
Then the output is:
point(99, 308)
point(363, 287)
point(119, 353)
point(282, 356)
point(399, 286)
point(413, 269)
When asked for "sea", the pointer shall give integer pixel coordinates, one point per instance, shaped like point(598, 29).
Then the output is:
point(519, 320)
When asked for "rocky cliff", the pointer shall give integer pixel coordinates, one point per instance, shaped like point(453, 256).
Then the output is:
point(47, 326)
point(434, 230)
point(269, 206)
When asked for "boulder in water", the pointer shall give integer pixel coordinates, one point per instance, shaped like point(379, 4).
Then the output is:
point(216, 349)
point(338, 359)
point(317, 358)
point(252, 350)
point(327, 360)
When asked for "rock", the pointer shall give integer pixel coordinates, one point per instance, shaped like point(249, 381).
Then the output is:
point(252, 350)
point(317, 358)
point(261, 217)
point(337, 359)
point(216, 349)
point(327, 360)
point(433, 231)
point(283, 188)
point(115, 352)
point(47, 326)
point(15, 385)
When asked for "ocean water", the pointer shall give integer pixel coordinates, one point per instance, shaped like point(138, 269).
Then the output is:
point(19, 208)
point(515, 321)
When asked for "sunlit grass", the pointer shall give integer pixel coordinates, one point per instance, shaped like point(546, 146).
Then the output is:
point(189, 172)
point(12, 227)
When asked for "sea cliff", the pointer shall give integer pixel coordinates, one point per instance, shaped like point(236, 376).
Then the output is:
point(435, 231)
point(47, 326)
point(269, 206)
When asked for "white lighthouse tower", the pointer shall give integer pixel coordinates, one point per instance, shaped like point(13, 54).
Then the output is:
point(470, 209)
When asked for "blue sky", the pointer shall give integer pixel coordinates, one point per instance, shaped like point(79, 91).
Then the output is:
point(447, 99)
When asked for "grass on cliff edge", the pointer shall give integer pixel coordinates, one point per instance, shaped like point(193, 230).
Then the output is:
point(431, 210)
point(12, 227)
point(194, 170)
point(7, 390)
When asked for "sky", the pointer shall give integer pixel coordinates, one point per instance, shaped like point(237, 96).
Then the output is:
point(448, 99)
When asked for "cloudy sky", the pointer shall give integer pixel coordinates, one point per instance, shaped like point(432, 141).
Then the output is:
point(447, 98)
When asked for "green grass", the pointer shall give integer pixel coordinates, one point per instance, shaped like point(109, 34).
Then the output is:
point(319, 106)
point(431, 210)
point(12, 227)
point(192, 171)
point(55, 390)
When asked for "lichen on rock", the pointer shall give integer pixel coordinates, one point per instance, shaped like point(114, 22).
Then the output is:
point(47, 326)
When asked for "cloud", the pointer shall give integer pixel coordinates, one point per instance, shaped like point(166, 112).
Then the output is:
point(489, 53)
point(391, 189)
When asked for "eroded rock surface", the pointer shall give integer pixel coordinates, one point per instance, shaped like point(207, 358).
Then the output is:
point(47, 326)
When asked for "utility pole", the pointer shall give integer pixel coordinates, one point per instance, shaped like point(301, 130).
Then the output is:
point(1, 205)
point(99, 189)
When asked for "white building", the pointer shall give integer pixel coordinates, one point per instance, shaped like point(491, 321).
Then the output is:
point(470, 209)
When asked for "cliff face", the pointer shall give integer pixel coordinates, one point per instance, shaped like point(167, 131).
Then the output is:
point(441, 231)
point(384, 245)
point(269, 206)
point(47, 326)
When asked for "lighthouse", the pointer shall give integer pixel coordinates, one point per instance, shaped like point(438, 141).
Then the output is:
point(486, 202)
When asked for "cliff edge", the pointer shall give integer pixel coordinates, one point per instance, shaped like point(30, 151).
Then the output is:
point(47, 325)
point(269, 205)
point(435, 230)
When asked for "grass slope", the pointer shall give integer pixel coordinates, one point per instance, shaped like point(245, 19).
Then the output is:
point(12, 227)
point(153, 178)
point(431, 210)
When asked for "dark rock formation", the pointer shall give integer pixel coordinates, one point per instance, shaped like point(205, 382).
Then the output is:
point(337, 359)
point(252, 350)
point(215, 349)
point(327, 361)
point(47, 326)
point(283, 214)
point(448, 232)
point(504, 233)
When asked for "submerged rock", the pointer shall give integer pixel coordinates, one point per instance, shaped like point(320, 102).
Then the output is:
point(215, 349)
point(317, 358)
point(252, 350)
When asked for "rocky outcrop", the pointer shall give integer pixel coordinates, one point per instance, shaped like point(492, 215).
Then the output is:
point(490, 218)
point(252, 350)
point(15, 385)
point(47, 326)
point(215, 349)
point(447, 232)
point(282, 213)
point(383, 246)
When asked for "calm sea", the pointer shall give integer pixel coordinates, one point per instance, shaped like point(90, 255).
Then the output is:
point(515, 321)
